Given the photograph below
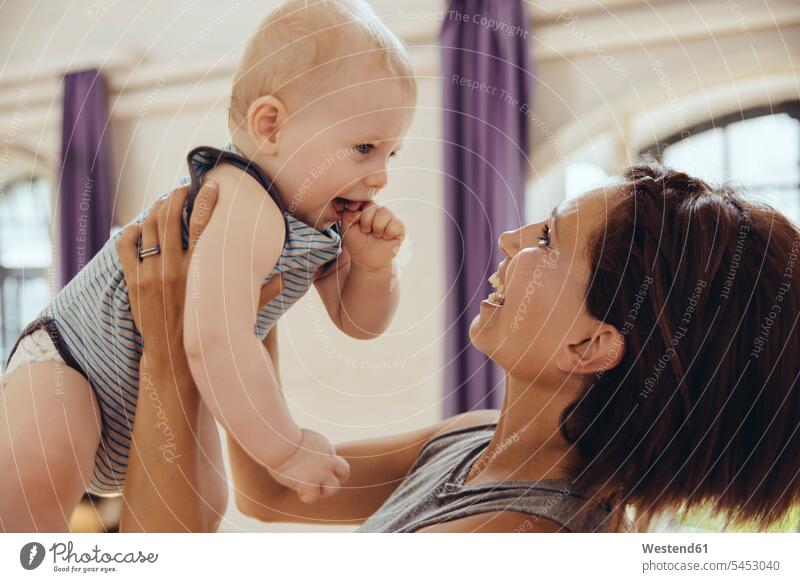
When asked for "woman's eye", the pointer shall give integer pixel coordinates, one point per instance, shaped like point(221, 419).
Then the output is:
point(544, 238)
point(364, 148)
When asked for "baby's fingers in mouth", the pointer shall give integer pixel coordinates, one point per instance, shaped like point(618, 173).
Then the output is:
point(350, 216)
point(342, 203)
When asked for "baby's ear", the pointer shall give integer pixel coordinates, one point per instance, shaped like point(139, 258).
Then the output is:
point(265, 117)
point(602, 350)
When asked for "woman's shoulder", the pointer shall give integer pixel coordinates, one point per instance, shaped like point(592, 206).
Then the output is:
point(458, 432)
point(466, 423)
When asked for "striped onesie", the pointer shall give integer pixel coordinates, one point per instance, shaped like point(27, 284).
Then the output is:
point(90, 324)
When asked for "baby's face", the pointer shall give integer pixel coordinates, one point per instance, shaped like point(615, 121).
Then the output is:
point(335, 150)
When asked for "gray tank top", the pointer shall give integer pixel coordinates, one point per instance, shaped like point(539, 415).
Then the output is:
point(433, 492)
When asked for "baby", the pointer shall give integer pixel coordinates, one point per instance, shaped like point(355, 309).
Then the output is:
point(322, 98)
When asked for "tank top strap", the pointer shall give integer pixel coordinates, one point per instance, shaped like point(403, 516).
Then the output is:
point(434, 491)
point(202, 159)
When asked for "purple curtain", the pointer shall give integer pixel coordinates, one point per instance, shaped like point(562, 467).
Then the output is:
point(487, 92)
point(85, 184)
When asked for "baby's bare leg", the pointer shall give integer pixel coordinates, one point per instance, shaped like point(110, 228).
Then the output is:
point(49, 434)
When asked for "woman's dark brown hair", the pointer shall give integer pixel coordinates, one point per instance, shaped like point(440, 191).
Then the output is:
point(704, 407)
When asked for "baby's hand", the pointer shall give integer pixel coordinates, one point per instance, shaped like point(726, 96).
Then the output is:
point(372, 236)
point(314, 471)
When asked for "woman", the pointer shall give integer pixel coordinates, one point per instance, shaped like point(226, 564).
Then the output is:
point(648, 334)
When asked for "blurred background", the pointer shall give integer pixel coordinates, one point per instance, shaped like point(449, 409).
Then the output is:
point(100, 101)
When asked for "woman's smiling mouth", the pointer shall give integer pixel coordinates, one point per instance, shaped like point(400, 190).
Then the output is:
point(497, 297)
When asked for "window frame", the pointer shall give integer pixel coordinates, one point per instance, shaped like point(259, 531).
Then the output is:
point(8, 332)
point(656, 149)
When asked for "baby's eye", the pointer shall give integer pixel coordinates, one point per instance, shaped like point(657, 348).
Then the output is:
point(544, 238)
point(393, 155)
point(364, 148)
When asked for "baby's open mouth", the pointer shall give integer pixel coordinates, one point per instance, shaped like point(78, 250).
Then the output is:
point(497, 297)
point(338, 206)
point(341, 204)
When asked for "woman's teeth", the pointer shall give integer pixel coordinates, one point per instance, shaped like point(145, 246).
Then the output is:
point(498, 296)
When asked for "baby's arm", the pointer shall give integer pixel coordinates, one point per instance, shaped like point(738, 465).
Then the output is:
point(236, 251)
point(231, 368)
point(361, 291)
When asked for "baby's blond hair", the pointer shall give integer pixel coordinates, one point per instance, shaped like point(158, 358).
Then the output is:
point(296, 49)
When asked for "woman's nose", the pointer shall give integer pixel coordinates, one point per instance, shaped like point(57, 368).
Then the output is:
point(509, 242)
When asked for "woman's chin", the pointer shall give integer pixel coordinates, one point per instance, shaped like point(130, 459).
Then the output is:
point(482, 328)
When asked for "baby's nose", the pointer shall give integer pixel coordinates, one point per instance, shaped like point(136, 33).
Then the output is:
point(377, 180)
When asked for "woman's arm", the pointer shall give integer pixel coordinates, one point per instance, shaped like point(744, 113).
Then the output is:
point(161, 491)
point(163, 488)
point(377, 466)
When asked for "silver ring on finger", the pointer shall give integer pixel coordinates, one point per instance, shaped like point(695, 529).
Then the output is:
point(152, 251)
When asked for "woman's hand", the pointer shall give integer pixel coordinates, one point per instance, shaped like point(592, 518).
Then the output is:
point(166, 486)
point(161, 489)
point(157, 284)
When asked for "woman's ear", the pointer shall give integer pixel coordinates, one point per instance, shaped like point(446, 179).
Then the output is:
point(265, 117)
point(600, 351)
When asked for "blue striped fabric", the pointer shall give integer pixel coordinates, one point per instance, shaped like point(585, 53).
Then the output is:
point(93, 316)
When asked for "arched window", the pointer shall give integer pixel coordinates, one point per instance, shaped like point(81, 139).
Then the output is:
point(25, 254)
point(758, 149)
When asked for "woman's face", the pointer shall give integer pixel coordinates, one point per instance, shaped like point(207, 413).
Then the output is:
point(537, 320)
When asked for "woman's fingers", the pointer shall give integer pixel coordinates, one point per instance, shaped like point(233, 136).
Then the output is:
point(271, 290)
point(128, 251)
point(150, 228)
point(170, 227)
point(204, 204)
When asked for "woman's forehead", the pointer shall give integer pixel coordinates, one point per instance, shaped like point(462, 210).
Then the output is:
point(577, 218)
